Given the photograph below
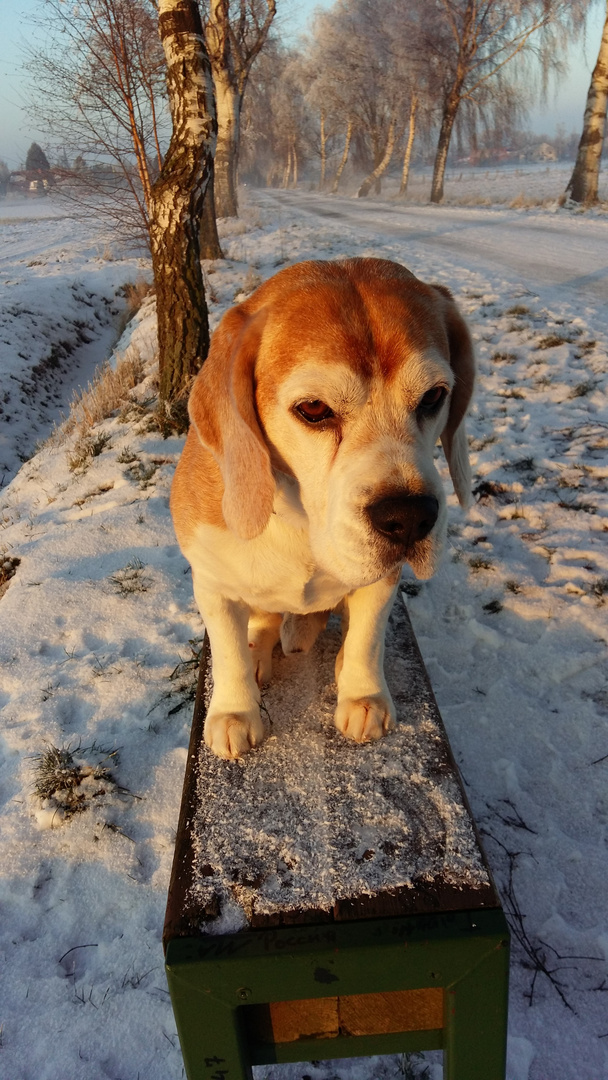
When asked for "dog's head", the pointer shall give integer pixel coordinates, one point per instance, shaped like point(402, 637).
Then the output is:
point(335, 380)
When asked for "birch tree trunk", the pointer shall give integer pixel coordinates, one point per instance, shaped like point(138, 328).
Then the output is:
point(177, 199)
point(447, 123)
point(228, 104)
point(383, 165)
point(407, 157)
point(209, 239)
point(583, 184)
point(231, 56)
point(323, 151)
point(342, 165)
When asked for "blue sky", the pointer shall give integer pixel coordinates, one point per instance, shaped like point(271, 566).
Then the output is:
point(17, 131)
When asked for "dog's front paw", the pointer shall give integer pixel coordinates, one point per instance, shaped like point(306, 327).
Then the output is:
point(230, 735)
point(365, 719)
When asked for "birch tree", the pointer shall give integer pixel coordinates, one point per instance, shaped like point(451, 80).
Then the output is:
point(236, 31)
point(583, 184)
point(176, 201)
point(469, 42)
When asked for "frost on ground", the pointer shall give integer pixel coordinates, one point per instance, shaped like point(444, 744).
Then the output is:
point(97, 614)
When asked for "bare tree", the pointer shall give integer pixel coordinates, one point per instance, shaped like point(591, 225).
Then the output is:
point(176, 199)
point(366, 70)
point(407, 157)
point(469, 42)
point(236, 31)
point(583, 184)
point(98, 86)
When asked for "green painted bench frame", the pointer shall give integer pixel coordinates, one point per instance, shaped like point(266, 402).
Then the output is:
point(462, 946)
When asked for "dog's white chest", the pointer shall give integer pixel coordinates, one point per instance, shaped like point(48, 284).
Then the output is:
point(274, 572)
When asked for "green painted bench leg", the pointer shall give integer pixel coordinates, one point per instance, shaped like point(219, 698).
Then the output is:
point(476, 1020)
point(220, 1056)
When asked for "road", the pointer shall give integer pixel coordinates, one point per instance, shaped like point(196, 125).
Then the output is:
point(567, 251)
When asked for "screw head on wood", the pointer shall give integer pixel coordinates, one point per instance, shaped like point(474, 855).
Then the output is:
point(243, 993)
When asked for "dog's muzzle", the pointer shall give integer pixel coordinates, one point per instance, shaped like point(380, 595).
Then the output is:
point(403, 519)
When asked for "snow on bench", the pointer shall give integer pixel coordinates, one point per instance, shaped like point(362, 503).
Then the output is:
point(312, 830)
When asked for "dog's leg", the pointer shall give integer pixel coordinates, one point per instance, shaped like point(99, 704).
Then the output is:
point(299, 632)
point(264, 632)
point(365, 709)
point(233, 724)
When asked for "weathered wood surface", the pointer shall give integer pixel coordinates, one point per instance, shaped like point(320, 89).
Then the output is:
point(312, 828)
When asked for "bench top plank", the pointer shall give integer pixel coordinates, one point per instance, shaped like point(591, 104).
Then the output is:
point(312, 828)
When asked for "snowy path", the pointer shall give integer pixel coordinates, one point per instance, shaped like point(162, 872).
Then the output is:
point(541, 249)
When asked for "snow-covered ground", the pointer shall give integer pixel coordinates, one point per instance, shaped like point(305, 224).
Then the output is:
point(62, 281)
point(97, 613)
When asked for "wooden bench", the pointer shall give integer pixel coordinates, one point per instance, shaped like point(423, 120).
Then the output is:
point(330, 899)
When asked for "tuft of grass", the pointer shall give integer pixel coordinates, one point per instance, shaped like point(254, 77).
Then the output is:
point(411, 588)
point(504, 358)
point(584, 507)
point(493, 607)
point(551, 341)
point(127, 456)
point(85, 449)
point(131, 578)
point(518, 309)
point(513, 586)
point(134, 293)
point(479, 563)
point(582, 389)
point(8, 568)
point(599, 588)
point(525, 464)
point(250, 284)
point(185, 678)
point(67, 780)
point(108, 390)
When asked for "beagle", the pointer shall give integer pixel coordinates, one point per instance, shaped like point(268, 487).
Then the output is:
point(307, 477)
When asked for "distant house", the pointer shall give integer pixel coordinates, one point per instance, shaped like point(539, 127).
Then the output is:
point(538, 152)
point(32, 183)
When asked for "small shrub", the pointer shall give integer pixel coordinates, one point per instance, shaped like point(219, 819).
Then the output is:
point(131, 578)
point(127, 456)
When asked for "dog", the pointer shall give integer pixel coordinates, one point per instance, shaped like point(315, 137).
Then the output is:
point(307, 478)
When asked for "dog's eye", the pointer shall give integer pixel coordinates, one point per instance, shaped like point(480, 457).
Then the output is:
point(314, 411)
point(431, 401)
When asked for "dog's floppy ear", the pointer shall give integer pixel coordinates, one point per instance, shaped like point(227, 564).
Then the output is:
point(222, 410)
point(462, 361)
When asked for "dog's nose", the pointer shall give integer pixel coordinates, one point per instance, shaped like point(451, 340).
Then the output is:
point(403, 519)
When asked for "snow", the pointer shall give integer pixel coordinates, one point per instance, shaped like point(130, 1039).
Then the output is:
point(97, 613)
point(312, 818)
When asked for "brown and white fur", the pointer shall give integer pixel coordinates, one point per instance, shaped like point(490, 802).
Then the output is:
point(307, 477)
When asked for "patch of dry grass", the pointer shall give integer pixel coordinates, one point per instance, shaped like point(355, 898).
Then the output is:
point(108, 390)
